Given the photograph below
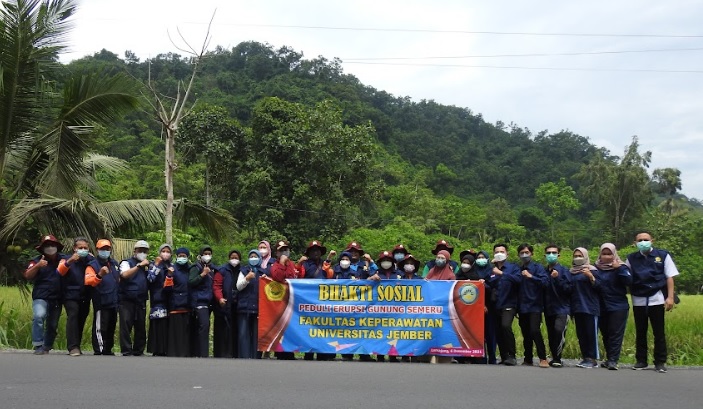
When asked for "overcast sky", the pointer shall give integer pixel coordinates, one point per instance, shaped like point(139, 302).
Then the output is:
point(636, 68)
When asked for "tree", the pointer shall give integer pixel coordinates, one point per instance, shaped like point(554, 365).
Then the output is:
point(619, 186)
point(667, 182)
point(557, 199)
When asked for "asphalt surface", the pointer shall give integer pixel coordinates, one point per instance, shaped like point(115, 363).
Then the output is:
point(58, 381)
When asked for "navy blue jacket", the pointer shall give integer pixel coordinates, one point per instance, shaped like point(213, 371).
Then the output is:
point(358, 269)
point(178, 293)
point(248, 298)
point(404, 276)
point(47, 281)
point(200, 287)
point(106, 294)
point(229, 288)
point(347, 274)
point(73, 286)
point(155, 278)
point(613, 288)
point(491, 281)
point(531, 292)
point(584, 295)
point(135, 287)
point(312, 269)
point(507, 286)
point(557, 296)
point(389, 274)
point(648, 276)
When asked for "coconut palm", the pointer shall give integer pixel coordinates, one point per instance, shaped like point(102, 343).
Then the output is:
point(46, 171)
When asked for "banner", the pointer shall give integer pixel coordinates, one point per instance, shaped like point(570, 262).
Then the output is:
point(387, 317)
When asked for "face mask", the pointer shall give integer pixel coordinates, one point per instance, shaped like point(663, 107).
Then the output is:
point(579, 261)
point(141, 256)
point(526, 259)
point(50, 250)
point(234, 262)
point(345, 264)
point(409, 268)
point(285, 253)
point(465, 266)
point(165, 256)
point(386, 264)
point(552, 258)
point(440, 262)
point(482, 262)
point(104, 254)
point(181, 260)
point(264, 252)
point(206, 258)
point(82, 252)
point(398, 256)
point(500, 256)
point(644, 246)
point(254, 261)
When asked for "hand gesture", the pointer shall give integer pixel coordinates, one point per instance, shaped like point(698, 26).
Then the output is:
point(42, 262)
point(283, 259)
point(222, 302)
point(74, 257)
point(375, 277)
point(157, 261)
point(368, 258)
point(206, 271)
point(331, 255)
point(302, 260)
point(144, 263)
point(526, 274)
point(616, 264)
point(497, 271)
point(250, 276)
point(104, 271)
point(170, 271)
point(554, 274)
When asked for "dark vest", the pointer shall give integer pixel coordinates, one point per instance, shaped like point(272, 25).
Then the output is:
point(178, 293)
point(648, 275)
point(106, 294)
point(248, 298)
point(47, 282)
point(73, 285)
point(201, 294)
point(134, 288)
point(157, 298)
point(229, 288)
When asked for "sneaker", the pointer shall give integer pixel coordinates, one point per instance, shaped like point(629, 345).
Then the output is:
point(586, 363)
point(556, 363)
point(510, 362)
point(661, 368)
point(612, 366)
point(543, 363)
point(40, 351)
point(527, 362)
point(604, 364)
point(640, 365)
point(75, 352)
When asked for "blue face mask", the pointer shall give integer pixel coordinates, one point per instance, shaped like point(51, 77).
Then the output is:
point(482, 262)
point(552, 258)
point(644, 246)
point(254, 261)
point(104, 254)
point(440, 262)
point(82, 253)
point(398, 256)
point(181, 260)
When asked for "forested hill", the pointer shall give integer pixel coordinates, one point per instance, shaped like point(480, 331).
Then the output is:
point(468, 155)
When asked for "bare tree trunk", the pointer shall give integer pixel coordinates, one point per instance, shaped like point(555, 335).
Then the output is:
point(207, 185)
point(169, 168)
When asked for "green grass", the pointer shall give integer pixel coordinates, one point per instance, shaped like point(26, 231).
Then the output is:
point(683, 330)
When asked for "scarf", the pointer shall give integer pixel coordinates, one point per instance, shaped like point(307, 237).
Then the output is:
point(443, 273)
point(608, 266)
point(587, 261)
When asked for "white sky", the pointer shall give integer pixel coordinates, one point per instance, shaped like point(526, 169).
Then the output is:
point(598, 97)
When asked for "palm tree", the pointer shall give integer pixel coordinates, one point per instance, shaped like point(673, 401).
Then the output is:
point(46, 171)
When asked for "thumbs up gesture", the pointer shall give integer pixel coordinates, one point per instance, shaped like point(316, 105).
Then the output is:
point(42, 262)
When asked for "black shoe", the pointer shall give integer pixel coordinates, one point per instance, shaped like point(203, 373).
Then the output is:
point(556, 363)
point(604, 364)
point(527, 362)
point(510, 362)
point(612, 366)
point(640, 365)
point(661, 368)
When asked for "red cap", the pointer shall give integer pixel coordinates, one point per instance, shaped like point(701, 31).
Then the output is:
point(399, 248)
point(385, 255)
point(354, 246)
point(318, 244)
point(409, 259)
point(47, 240)
point(442, 244)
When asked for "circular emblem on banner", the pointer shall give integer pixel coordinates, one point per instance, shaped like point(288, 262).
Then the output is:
point(275, 291)
point(468, 293)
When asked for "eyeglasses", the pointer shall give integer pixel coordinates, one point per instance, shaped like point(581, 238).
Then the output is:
point(640, 240)
point(553, 252)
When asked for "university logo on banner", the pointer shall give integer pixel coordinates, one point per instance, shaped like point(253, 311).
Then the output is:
point(387, 317)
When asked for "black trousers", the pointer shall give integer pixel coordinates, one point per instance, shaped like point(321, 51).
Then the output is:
point(506, 338)
point(653, 314)
point(132, 316)
point(225, 336)
point(530, 327)
point(76, 314)
point(200, 332)
point(556, 334)
point(587, 333)
point(612, 328)
point(489, 328)
point(104, 323)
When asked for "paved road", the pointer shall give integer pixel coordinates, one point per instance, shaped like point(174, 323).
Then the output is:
point(58, 381)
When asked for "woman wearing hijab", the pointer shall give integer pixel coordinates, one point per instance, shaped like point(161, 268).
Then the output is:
point(442, 270)
point(248, 305)
point(614, 277)
point(484, 269)
point(224, 290)
point(158, 312)
point(176, 291)
point(585, 306)
point(264, 249)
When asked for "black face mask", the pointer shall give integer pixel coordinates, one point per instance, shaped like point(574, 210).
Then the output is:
point(526, 259)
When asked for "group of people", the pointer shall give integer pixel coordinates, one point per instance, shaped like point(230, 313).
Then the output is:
point(183, 294)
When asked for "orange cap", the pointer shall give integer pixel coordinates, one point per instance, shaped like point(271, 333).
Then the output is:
point(103, 243)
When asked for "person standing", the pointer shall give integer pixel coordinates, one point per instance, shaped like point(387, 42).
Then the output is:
point(75, 294)
point(158, 312)
point(585, 306)
point(224, 289)
point(46, 294)
point(362, 263)
point(441, 245)
point(103, 274)
point(653, 271)
point(533, 281)
point(176, 291)
point(200, 283)
point(248, 306)
point(505, 279)
point(133, 295)
point(614, 279)
point(557, 304)
point(484, 269)
point(386, 271)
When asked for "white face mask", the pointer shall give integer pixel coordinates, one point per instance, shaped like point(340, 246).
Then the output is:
point(264, 252)
point(500, 257)
point(409, 268)
point(50, 250)
point(465, 266)
point(206, 258)
point(345, 264)
point(386, 264)
point(165, 256)
point(579, 261)
point(234, 262)
point(140, 256)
